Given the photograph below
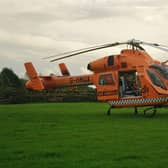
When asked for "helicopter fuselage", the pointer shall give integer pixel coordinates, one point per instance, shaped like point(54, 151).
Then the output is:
point(132, 78)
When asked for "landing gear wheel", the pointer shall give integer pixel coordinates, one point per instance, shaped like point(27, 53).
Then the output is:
point(152, 111)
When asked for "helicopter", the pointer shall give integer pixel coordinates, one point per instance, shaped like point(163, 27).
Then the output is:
point(131, 78)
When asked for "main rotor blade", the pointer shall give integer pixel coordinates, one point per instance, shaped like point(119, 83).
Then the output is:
point(89, 50)
point(133, 43)
point(155, 45)
point(73, 51)
point(158, 47)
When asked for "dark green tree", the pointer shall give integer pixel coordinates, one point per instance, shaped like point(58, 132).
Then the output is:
point(11, 87)
point(9, 79)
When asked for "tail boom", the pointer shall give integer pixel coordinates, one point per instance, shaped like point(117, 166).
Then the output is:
point(39, 83)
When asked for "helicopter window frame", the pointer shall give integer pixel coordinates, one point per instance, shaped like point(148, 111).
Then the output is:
point(155, 79)
point(106, 79)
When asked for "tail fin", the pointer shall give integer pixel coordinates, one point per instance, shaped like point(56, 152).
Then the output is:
point(64, 69)
point(30, 70)
point(35, 82)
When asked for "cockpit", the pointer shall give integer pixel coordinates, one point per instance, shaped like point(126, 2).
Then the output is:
point(157, 74)
point(162, 70)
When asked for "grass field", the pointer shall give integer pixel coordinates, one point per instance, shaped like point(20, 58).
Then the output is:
point(80, 135)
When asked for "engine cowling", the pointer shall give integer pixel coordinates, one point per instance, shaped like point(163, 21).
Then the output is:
point(101, 64)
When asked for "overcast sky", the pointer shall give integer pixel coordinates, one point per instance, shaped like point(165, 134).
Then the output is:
point(33, 29)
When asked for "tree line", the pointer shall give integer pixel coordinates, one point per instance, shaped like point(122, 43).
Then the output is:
point(12, 90)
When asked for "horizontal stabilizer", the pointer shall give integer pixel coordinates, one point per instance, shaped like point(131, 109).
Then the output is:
point(35, 84)
point(64, 69)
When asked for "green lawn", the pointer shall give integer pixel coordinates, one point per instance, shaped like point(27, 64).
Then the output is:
point(81, 135)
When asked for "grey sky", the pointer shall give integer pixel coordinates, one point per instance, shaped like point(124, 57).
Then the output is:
point(30, 30)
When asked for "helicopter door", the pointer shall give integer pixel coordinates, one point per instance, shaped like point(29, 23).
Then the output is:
point(107, 86)
point(129, 84)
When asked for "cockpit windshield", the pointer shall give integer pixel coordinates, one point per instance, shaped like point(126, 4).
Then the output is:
point(163, 70)
point(155, 79)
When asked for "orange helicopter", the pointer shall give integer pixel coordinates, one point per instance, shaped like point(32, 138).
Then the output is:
point(130, 79)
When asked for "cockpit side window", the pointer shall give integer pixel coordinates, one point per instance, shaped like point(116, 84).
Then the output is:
point(155, 79)
point(161, 69)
